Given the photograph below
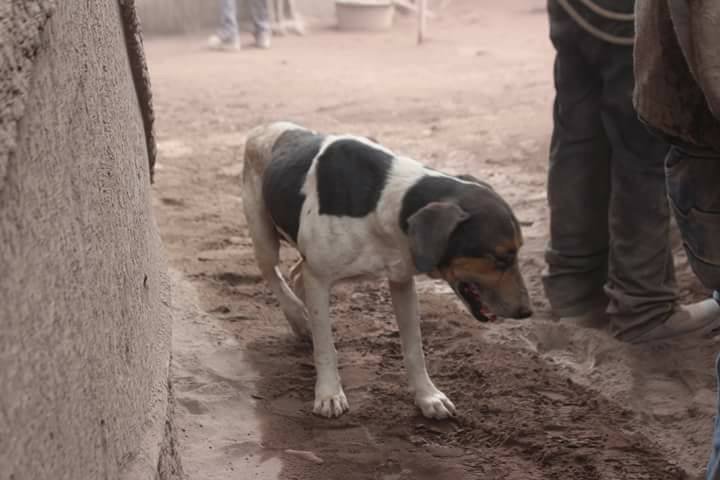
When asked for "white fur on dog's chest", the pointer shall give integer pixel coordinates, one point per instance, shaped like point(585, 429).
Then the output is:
point(341, 247)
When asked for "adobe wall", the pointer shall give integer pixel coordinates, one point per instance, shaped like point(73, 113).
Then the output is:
point(84, 294)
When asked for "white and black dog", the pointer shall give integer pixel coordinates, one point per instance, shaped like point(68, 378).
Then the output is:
point(353, 208)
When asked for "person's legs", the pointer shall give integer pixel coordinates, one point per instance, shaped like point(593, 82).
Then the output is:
point(228, 20)
point(227, 36)
point(261, 22)
point(578, 182)
point(641, 277)
point(693, 176)
point(641, 281)
point(595, 121)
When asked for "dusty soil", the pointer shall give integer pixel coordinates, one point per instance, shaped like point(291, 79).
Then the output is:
point(537, 399)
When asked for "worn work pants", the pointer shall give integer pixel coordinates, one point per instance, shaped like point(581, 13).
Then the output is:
point(609, 213)
point(228, 18)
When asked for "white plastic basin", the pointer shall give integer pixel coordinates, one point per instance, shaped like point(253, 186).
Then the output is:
point(364, 15)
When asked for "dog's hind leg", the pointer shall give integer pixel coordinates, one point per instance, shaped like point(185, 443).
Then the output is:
point(266, 244)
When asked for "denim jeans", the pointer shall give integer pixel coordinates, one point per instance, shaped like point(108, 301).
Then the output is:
point(609, 212)
point(229, 31)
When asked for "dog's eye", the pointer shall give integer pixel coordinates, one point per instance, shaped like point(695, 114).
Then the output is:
point(505, 262)
point(502, 265)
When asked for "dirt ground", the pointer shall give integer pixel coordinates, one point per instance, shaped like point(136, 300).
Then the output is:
point(537, 399)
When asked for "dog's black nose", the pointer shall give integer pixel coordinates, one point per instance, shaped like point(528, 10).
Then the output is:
point(524, 312)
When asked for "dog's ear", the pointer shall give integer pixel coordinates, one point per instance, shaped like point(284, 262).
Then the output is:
point(429, 230)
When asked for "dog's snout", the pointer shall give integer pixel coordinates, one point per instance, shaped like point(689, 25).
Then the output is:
point(523, 312)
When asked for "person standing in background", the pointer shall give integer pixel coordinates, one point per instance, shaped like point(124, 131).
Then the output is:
point(228, 35)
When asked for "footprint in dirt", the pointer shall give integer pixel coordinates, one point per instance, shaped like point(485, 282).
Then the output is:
point(661, 379)
point(172, 202)
point(235, 279)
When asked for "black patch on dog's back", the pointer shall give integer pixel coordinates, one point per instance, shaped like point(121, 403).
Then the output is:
point(292, 156)
point(351, 176)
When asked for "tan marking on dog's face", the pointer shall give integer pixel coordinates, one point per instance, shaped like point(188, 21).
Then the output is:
point(481, 270)
point(486, 269)
point(511, 246)
point(472, 265)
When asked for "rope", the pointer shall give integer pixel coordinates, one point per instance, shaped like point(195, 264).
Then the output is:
point(603, 12)
point(592, 29)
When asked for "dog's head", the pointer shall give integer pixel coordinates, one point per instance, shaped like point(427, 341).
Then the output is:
point(471, 240)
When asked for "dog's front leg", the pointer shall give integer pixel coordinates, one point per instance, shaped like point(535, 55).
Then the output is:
point(432, 402)
point(330, 400)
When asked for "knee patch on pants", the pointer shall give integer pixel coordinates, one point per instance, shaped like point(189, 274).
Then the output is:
point(693, 178)
point(701, 235)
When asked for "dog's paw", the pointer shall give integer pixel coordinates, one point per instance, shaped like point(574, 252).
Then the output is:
point(331, 406)
point(435, 405)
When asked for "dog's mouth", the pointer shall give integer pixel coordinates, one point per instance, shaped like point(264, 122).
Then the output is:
point(470, 292)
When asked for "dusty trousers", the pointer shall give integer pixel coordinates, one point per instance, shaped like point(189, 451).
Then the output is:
point(609, 213)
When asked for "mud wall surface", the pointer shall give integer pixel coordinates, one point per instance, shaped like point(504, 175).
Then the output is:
point(85, 312)
point(187, 16)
